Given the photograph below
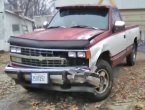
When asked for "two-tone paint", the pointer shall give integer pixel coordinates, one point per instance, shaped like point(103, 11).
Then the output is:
point(117, 45)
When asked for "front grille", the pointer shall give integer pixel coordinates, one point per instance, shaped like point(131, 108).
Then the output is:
point(45, 53)
point(48, 58)
point(34, 52)
point(44, 63)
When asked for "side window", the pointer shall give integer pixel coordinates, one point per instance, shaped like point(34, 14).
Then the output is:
point(115, 16)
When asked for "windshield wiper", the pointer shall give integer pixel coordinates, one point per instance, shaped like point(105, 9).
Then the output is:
point(56, 27)
point(83, 26)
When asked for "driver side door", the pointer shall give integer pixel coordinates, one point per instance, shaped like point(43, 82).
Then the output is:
point(119, 41)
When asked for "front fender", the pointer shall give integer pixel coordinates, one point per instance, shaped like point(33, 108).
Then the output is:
point(95, 54)
point(96, 51)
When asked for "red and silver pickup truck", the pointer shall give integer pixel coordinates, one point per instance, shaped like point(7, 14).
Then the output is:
point(75, 53)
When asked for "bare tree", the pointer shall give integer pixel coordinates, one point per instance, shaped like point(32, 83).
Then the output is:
point(32, 7)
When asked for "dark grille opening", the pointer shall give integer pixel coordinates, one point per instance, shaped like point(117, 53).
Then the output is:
point(45, 53)
point(45, 63)
point(55, 63)
point(78, 62)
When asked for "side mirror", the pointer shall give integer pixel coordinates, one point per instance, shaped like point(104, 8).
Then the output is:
point(119, 26)
point(45, 24)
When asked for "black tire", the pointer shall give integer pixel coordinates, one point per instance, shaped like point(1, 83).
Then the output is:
point(103, 65)
point(131, 58)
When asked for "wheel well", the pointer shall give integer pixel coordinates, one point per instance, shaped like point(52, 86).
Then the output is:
point(106, 56)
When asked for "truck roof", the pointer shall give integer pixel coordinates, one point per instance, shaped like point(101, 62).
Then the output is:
point(85, 6)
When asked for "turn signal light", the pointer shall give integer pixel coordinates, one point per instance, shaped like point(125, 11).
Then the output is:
point(88, 55)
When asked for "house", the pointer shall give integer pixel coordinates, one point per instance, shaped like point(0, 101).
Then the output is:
point(12, 24)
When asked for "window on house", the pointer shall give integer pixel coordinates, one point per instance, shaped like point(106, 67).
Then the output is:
point(15, 27)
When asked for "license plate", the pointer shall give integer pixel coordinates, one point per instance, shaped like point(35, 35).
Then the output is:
point(39, 78)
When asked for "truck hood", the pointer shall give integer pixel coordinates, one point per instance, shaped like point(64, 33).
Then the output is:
point(63, 34)
point(57, 38)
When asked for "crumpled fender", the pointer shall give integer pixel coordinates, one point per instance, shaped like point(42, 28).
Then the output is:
point(96, 51)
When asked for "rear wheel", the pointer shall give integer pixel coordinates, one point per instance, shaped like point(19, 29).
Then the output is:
point(131, 58)
point(105, 75)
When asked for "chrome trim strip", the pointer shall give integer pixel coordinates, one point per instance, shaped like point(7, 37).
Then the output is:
point(29, 66)
point(40, 58)
point(62, 50)
point(12, 69)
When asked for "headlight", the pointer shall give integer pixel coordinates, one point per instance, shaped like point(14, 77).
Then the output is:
point(72, 54)
point(16, 59)
point(15, 50)
point(18, 50)
point(81, 54)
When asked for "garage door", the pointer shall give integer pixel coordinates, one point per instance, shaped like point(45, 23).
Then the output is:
point(134, 17)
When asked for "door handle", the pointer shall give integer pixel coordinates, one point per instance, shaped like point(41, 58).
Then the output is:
point(124, 36)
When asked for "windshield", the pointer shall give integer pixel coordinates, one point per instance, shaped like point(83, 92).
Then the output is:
point(68, 18)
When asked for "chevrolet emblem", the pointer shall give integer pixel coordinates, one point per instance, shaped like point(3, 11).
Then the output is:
point(41, 58)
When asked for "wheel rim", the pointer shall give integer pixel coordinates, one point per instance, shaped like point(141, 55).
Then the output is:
point(134, 55)
point(104, 81)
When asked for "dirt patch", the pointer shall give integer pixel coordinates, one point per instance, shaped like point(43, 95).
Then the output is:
point(7, 85)
point(128, 92)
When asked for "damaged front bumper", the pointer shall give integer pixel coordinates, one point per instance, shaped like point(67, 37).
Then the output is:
point(73, 79)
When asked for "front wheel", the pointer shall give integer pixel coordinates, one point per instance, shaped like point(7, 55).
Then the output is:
point(105, 74)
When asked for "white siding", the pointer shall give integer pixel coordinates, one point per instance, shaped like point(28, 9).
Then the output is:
point(1, 5)
point(6, 29)
point(134, 17)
